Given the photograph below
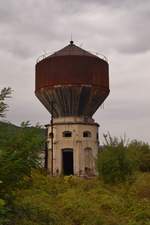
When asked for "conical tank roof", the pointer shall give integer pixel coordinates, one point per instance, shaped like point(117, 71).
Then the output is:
point(72, 49)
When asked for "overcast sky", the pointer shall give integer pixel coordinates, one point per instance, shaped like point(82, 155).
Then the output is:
point(120, 30)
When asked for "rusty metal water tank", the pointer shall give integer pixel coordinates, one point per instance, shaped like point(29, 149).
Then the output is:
point(76, 81)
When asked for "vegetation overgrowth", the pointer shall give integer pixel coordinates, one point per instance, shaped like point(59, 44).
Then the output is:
point(28, 196)
point(119, 159)
point(45, 200)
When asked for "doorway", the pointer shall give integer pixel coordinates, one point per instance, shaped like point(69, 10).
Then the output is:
point(67, 161)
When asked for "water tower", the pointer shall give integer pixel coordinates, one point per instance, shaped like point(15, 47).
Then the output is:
point(72, 83)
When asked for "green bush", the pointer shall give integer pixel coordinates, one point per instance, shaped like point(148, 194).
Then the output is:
point(56, 201)
point(76, 201)
point(113, 164)
point(140, 153)
point(18, 156)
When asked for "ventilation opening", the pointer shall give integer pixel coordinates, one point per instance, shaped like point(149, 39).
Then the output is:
point(87, 134)
point(67, 134)
point(67, 157)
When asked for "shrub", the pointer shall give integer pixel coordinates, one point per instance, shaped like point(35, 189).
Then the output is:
point(114, 165)
point(140, 153)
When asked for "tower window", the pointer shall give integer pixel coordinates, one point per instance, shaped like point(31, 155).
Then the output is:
point(97, 136)
point(87, 134)
point(67, 134)
point(51, 135)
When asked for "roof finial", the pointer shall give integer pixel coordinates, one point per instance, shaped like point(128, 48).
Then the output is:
point(71, 42)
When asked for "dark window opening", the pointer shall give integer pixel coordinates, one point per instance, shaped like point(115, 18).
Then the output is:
point(67, 134)
point(87, 134)
point(51, 135)
point(67, 161)
point(97, 136)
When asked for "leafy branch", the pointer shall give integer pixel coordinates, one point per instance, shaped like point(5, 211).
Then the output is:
point(4, 94)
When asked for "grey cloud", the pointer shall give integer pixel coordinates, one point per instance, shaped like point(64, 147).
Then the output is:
point(38, 22)
point(118, 29)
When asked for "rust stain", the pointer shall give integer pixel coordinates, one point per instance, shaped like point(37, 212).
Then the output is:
point(77, 84)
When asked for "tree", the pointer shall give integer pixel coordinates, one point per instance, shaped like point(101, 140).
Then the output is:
point(20, 154)
point(4, 94)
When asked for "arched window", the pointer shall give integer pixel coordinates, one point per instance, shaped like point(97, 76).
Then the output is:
point(67, 134)
point(87, 134)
